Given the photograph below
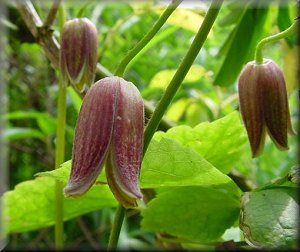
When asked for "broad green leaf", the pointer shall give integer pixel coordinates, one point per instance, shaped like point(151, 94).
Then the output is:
point(248, 31)
point(167, 163)
point(193, 213)
point(163, 78)
point(20, 133)
point(269, 218)
point(31, 205)
point(220, 142)
point(184, 18)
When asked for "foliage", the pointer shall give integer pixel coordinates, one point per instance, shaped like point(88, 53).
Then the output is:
point(199, 182)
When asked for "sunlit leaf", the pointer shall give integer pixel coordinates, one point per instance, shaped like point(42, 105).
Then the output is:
point(220, 142)
point(184, 18)
point(177, 109)
point(167, 163)
point(163, 78)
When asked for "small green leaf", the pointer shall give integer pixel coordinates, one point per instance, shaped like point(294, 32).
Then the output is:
point(193, 213)
point(220, 142)
point(269, 218)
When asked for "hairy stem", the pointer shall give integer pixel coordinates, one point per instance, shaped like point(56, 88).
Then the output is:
point(259, 47)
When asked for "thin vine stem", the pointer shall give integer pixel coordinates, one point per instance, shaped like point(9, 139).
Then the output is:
point(182, 71)
point(116, 228)
point(59, 159)
point(167, 99)
point(259, 47)
point(60, 152)
point(145, 40)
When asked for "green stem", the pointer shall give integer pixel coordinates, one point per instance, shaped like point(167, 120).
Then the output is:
point(60, 152)
point(181, 71)
point(59, 159)
point(278, 36)
point(116, 228)
point(145, 40)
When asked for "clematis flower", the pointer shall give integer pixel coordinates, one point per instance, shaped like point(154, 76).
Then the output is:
point(110, 128)
point(78, 53)
point(264, 105)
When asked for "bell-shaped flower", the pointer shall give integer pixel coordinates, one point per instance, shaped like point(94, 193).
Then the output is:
point(264, 105)
point(110, 131)
point(78, 53)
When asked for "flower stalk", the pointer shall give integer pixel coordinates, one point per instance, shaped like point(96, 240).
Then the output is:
point(259, 47)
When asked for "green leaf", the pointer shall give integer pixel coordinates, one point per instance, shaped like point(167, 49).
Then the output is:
point(46, 122)
point(162, 79)
point(177, 109)
point(241, 49)
point(193, 213)
point(184, 18)
point(167, 163)
point(269, 218)
point(284, 21)
point(220, 142)
point(20, 133)
point(31, 205)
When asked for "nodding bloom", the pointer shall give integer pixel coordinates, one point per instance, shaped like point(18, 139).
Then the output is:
point(110, 130)
point(264, 105)
point(78, 53)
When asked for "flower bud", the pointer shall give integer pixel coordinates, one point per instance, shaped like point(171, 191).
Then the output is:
point(110, 127)
point(264, 105)
point(78, 53)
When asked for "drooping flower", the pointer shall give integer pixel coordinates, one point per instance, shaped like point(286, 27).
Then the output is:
point(264, 105)
point(110, 129)
point(78, 53)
